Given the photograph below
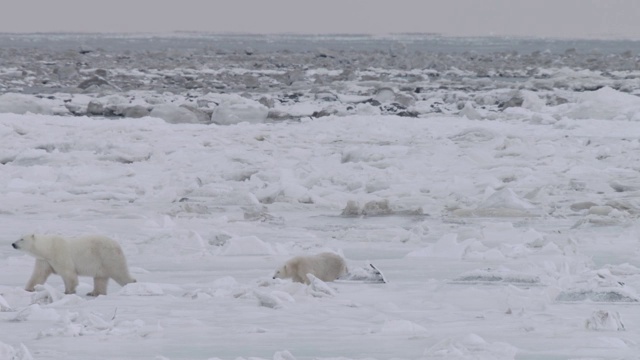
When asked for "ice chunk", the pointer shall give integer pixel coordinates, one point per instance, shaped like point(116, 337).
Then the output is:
point(174, 114)
point(605, 104)
point(369, 274)
point(283, 355)
point(234, 110)
point(384, 95)
point(46, 294)
point(4, 305)
point(267, 300)
point(318, 288)
point(505, 199)
point(603, 320)
point(22, 104)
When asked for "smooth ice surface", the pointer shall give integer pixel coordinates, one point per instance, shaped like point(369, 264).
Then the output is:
point(505, 222)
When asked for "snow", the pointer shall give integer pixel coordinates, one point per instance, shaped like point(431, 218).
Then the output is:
point(503, 232)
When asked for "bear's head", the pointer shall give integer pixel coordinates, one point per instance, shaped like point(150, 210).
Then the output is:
point(282, 272)
point(27, 243)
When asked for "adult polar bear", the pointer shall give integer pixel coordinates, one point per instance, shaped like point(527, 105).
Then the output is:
point(325, 266)
point(96, 256)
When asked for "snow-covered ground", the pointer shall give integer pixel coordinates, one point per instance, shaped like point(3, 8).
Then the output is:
point(503, 213)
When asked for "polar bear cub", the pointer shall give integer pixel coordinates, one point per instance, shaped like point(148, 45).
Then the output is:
point(93, 255)
point(325, 266)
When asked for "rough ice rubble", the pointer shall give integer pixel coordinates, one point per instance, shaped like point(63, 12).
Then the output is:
point(471, 346)
point(231, 109)
point(278, 355)
point(73, 324)
point(35, 312)
point(497, 241)
point(9, 352)
point(596, 286)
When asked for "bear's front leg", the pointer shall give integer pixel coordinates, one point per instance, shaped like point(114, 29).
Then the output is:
point(41, 272)
point(70, 282)
point(99, 286)
point(299, 279)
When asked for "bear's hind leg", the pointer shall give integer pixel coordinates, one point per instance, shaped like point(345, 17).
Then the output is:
point(99, 286)
point(41, 272)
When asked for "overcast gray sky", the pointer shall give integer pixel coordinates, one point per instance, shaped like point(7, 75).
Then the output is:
point(546, 18)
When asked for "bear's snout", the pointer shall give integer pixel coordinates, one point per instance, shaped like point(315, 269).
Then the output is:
point(14, 245)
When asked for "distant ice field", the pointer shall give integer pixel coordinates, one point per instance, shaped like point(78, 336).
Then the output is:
point(299, 43)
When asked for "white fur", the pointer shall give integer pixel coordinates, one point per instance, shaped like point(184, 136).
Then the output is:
point(96, 256)
point(325, 266)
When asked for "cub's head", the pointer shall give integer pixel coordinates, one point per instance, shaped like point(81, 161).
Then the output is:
point(282, 272)
point(27, 243)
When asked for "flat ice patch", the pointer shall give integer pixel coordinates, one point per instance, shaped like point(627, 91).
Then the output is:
point(448, 247)
point(403, 327)
point(246, 246)
point(471, 346)
point(142, 289)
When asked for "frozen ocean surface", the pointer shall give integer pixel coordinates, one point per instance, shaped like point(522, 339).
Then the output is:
point(494, 182)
